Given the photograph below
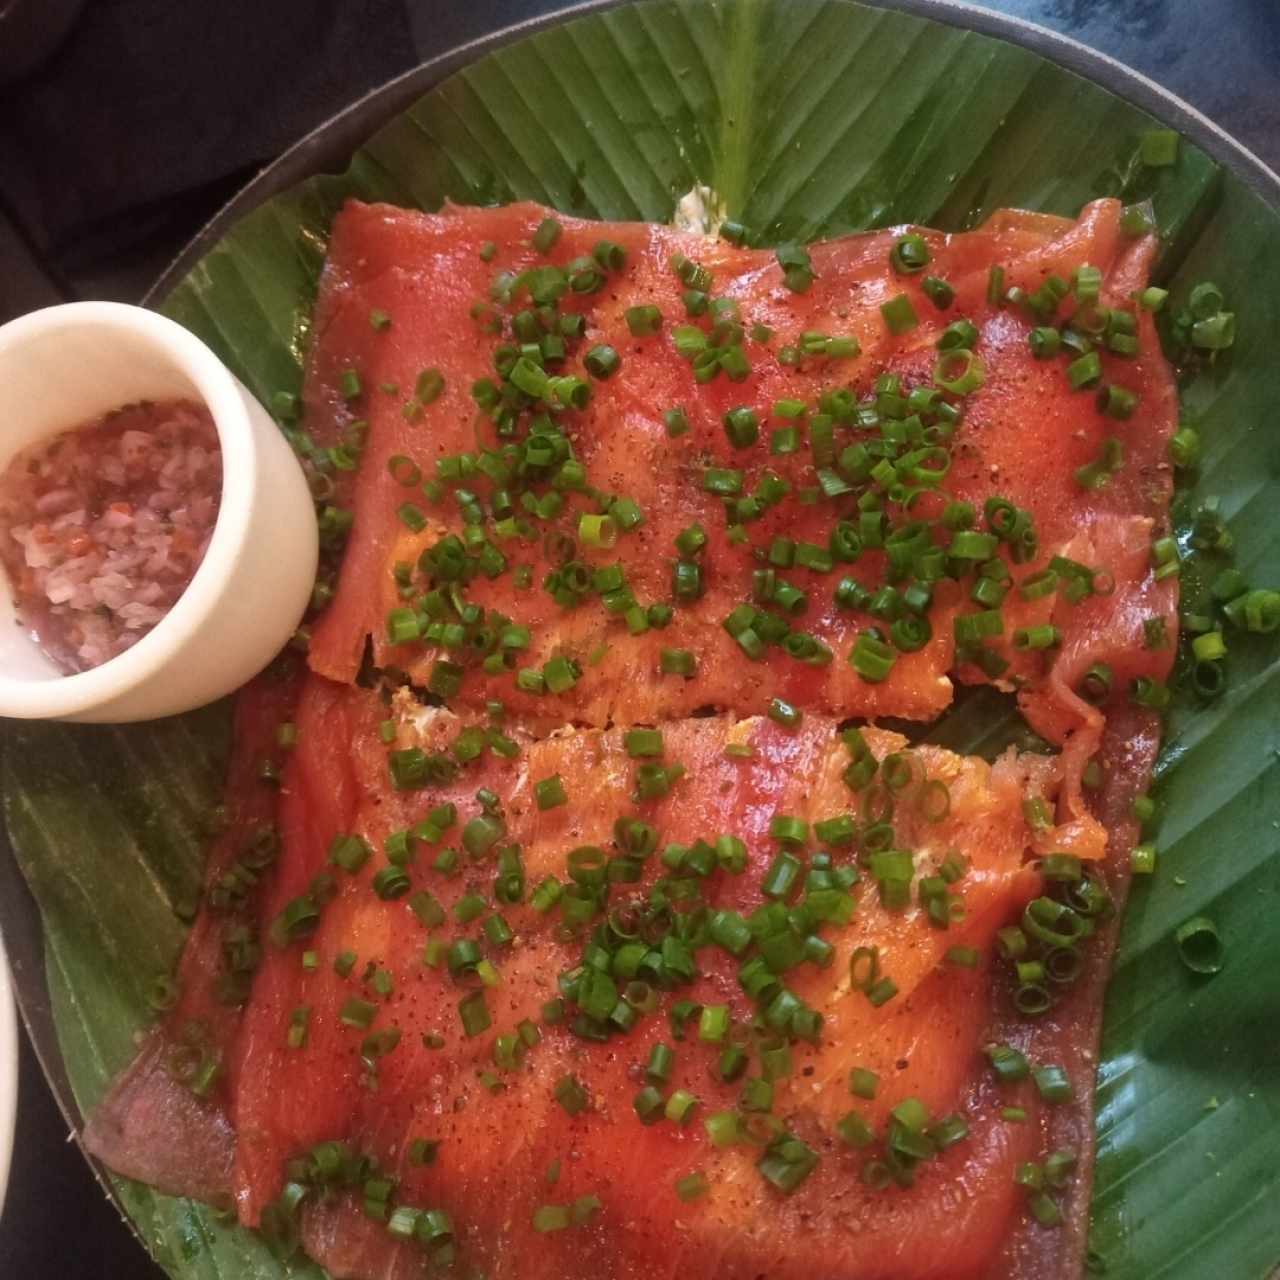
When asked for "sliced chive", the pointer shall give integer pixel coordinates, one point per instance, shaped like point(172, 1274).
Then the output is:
point(1158, 148)
point(474, 1014)
point(676, 422)
point(1117, 402)
point(1053, 1084)
point(546, 235)
point(785, 714)
point(640, 743)
point(357, 1013)
point(872, 659)
point(938, 291)
point(678, 662)
point(899, 315)
point(797, 267)
point(549, 793)
point(1008, 1063)
point(570, 1094)
point(693, 1186)
point(910, 254)
point(742, 427)
point(680, 1106)
point(602, 361)
point(863, 1083)
point(1199, 945)
point(643, 321)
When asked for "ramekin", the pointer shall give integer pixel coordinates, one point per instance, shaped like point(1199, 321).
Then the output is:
point(66, 365)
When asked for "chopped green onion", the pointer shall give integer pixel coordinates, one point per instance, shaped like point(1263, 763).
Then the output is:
point(1142, 861)
point(1117, 402)
point(474, 1014)
point(1086, 281)
point(643, 742)
point(1084, 372)
point(1053, 1084)
point(428, 387)
point(678, 662)
point(855, 1131)
point(863, 1083)
point(782, 876)
point(722, 1128)
point(1137, 219)
point(713, 1023)
point(1257, 611)
point(959, 372)
point(910, 254)
point(548, 793)
point(1045, 636)
point(546, 235)
point(610, 256)
point(1008, 1063)
point(602, 361)
point(357, 1013)
point(390, 883)
point(872, 659)
point(724, 482)
point(1152, 694)
point(597, 531)
point(938, 291)
point(1045, 342)
point(571, 1095)
point(1158, 148)
point(648, 1104)
point(787, 1162)
point(643, 321)
point(550, 1217)
point(742, 427)
point(1184, 448)
point(680, 1106)
point(1199, 945)
point(797, 267)
point(959, 335)
point(899, 315)
point(785, 714)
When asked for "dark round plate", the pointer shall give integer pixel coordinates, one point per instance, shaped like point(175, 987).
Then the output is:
point(328, 150)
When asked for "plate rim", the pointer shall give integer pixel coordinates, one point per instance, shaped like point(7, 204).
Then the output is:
point(8, 1073)
point(326, 149)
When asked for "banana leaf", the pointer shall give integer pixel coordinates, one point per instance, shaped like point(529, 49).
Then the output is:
point(809, 118)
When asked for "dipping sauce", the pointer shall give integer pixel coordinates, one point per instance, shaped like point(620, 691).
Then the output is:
point(103, 526)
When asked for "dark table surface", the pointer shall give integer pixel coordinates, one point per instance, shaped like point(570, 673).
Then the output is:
point(148, 115)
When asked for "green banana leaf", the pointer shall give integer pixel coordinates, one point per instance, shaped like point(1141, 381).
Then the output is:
point(809, 117)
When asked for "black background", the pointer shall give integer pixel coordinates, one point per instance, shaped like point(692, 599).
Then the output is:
point(151, 113)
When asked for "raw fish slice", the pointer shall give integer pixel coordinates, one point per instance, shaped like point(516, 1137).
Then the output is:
point(151, 1125)
point(1023, 436)
point(495, 1148)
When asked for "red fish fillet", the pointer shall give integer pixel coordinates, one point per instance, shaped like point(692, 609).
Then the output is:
point(399, 296)
point(1023, 436)
point(495, 1149)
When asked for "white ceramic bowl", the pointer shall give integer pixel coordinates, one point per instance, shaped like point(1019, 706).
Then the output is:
point(64, 366)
